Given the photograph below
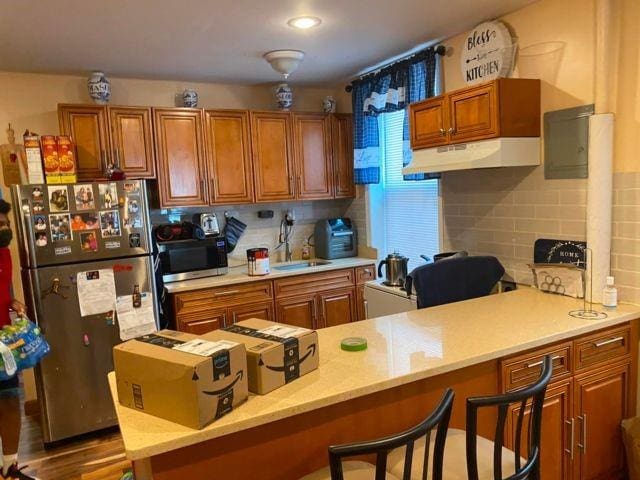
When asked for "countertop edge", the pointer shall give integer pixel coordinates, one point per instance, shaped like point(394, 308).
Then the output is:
point(235, 278)
point(256, 421)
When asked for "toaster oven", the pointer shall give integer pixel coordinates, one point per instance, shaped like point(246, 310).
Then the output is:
point(335, 238)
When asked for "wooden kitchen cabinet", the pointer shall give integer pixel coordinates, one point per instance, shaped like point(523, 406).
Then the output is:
point(229, 165)
point(273, 165)
point(429, 123)
point(263, 311)
point(180, 154)
point(131, 141)
point(361, 303)
point(342, 138)
point(591, 392)
point(300, 310)
point(102, 135)
point(88, 127)
point(601, 403)
point(337, 307)
point(201, 324)
point(555, 460)
point(506, 107)
point(312, 154)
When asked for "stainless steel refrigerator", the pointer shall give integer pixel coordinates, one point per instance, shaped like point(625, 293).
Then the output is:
point(66, 230)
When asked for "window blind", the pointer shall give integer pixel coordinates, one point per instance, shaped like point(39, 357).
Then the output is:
point(411, 208)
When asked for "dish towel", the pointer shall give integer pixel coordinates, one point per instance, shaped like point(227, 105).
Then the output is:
point(233, 230)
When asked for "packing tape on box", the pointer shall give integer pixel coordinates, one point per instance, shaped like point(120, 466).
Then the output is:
point(291, 361)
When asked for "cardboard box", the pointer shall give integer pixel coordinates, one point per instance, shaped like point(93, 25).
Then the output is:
point(66, 159)
point(33, 153)
point(276, 353)
point(50, 158)
point(181, 377)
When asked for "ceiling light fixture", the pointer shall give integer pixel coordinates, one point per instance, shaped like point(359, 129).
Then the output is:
point(304, 22)
point(284, 61)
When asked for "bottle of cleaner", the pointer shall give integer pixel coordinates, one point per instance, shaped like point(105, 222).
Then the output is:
point(610, 294)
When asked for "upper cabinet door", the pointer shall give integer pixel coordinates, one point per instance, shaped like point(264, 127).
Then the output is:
point(474, 113)
point(429, 123)
point(87, 125)
point(342, 135)
point(229, 156)
point(180, 152)
point(131, 140)
point(312, 144)
point(272, 156)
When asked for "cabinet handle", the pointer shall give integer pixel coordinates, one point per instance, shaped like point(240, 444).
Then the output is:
point(608, 342)
point(224, 320)
point(572, 437)
point(228, 292)
point(583, 432)
point(299, 183)
point(235, 319)
point(443, 132)
point(366, 309)
point(539, 362)
point(314, 314)
point(212, 183)
point(452, 131)
point(291, 186)
point(202, 185)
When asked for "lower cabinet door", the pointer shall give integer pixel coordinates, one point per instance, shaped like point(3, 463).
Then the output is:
point(361, 303)
point(299, 311)
point(601, 403)
point(263, 311)
point(337, 307)
point(203, 323)
point(555, 461)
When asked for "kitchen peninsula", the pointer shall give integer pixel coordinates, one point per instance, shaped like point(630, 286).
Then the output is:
point(480, 346)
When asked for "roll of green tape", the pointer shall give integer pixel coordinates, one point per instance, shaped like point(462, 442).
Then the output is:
point(353, 344)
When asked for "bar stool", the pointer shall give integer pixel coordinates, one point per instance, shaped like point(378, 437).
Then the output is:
point(479, 451)
point(358, 470)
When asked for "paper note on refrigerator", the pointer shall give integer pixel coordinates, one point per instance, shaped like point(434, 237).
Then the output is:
point(135, 322)
point(96, 291)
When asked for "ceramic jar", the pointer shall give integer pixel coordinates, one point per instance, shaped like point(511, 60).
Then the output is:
point(284, 96)
point(329, 104)
point(99, 88)
point(190, 98)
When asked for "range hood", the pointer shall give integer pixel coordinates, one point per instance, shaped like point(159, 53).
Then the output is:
point(497, 152)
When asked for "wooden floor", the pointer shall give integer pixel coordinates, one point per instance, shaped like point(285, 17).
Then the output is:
point(93, 457)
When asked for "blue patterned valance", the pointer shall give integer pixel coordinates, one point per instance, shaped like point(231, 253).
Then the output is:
point(391, 89)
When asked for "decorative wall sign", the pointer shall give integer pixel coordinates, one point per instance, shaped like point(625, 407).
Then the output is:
point(487, 53)
point(560, 251)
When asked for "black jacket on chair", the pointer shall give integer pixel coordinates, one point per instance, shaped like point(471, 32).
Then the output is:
point(455, 279)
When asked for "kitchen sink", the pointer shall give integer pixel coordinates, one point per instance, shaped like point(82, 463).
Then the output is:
point(302, 265)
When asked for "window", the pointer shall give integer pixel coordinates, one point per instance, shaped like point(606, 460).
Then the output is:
point(410, 209)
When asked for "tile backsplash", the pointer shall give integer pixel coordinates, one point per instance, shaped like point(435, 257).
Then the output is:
point(503, 211)
point(263, 232)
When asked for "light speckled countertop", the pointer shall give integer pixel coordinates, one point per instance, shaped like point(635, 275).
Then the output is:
point(239, 274)
point(403, 348)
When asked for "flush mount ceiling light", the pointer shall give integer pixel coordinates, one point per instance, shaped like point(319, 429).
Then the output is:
point(284, 61)
point(304, 22)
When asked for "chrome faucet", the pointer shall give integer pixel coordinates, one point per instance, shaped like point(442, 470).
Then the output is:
point(287, 223)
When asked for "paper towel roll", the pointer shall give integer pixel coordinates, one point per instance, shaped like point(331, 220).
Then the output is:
point(599, 201)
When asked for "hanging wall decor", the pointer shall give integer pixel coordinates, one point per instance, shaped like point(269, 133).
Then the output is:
point(488, 53)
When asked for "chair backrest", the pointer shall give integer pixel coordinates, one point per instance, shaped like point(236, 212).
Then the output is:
point(530, 400)
point(454, 279)
point(439, 419)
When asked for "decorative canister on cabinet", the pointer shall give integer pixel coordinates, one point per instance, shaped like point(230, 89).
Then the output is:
point(99, 88)
point(190, 98)
point(329, 104)
point(284, 96)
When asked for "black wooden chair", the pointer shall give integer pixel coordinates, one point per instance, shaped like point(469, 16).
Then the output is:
point(358, 470)
point(487, 460)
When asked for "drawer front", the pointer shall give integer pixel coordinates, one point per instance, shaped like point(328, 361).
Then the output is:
point(525, 369)
point(601, 347)
point(313, 283)
point(209, 298)
point(202, 323)
point(365, 274)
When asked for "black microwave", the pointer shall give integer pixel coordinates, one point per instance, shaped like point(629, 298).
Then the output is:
point(187, 259)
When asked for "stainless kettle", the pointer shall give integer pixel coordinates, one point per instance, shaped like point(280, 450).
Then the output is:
point(396, 269)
